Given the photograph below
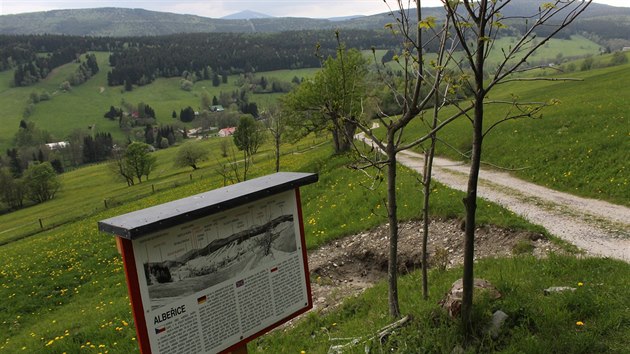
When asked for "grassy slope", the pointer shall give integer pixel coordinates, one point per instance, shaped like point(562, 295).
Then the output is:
point(64, 288)
point(579, 146)
point(85, 190)
point(85, 105)
point(536, 323)
point(553, 51)
point(86, 304)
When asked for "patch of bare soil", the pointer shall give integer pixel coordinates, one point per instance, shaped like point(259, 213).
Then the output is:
point(348, 266)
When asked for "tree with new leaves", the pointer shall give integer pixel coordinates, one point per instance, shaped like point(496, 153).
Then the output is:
point(138, 160)
point(417, 91)
point(332, 100)
point(276, 123)
point(190, 154)
point(119, 167)
point(12, 191)
point(476, 25)
point(248, 137)
point(41, 182)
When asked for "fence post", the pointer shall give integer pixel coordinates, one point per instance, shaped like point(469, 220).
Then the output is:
point(153, 188)
point(190, 176)
point(41, 225)
point(105, 201)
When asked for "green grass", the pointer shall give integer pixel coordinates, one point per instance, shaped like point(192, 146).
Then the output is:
point(86, 104)
point(536, 323)
point(65, 287)
point(85, 191)
point(63, 290)
point(551, 51)
point(579, 146)
point(554, 51)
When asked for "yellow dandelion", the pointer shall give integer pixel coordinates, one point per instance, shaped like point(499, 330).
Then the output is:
point(580, 284)
point(579, 323)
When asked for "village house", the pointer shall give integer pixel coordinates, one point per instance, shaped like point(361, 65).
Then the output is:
point(227, 131)
point(58, 145)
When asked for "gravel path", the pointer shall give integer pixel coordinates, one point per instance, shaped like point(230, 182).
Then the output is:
point(597, 227)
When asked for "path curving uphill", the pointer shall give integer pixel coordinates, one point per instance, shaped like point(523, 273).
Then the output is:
point(597, 227)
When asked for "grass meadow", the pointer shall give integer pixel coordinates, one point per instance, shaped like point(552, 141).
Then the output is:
point(579, 145)
point(86, 104)
point(595, 318)
point(62, 289)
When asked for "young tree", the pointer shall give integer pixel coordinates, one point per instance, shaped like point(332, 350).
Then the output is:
point(190, 154)
point(120, 168)
point(139, 160)
point(206, 101)
point(414, 92)
point(15, 163)
point(41, 182)
point(476, 25)
point(332, 101)
point(248, 137)
point(276, 123)
point(11, 189)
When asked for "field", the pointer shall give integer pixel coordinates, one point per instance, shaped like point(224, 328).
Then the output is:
point(578, 145)
point(592, 319)
point(62, 289)
point(86, 104)
point(50, 277)
point(93, 188)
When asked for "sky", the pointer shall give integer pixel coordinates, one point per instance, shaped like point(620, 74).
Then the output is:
point(220, 8)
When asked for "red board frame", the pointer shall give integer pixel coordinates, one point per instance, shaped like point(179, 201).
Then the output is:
point(125, 247)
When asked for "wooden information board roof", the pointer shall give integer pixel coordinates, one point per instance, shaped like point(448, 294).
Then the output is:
point(139, 223)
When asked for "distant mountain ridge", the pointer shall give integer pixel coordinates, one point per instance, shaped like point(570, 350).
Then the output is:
point(246, 15)
point(122, 22)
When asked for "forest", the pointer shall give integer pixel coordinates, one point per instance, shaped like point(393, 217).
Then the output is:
point(140, 60)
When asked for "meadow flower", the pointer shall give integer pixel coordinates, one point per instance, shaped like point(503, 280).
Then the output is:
point(580, 283)
point(579, 323)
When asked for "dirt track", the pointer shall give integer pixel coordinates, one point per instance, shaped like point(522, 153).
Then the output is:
point(597, 227)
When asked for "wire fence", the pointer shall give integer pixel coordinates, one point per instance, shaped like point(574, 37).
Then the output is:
point(52, 219)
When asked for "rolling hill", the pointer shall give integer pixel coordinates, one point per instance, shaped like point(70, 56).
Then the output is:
point(120, 22)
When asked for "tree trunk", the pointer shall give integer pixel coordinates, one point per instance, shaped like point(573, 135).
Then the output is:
point(343, 135)
point(392, 266)
point(277, 154)
point(428, 168)
point(470, 201)
point(245, 165)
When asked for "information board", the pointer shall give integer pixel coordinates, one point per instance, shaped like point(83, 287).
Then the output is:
point(211, 283)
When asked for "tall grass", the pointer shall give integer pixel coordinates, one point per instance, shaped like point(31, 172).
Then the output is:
point(63, 290)
point(579, 145)
point(594, 318)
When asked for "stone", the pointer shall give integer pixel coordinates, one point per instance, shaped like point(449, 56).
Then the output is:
point(452, 303)
point(498, 319)
point(558, 289)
